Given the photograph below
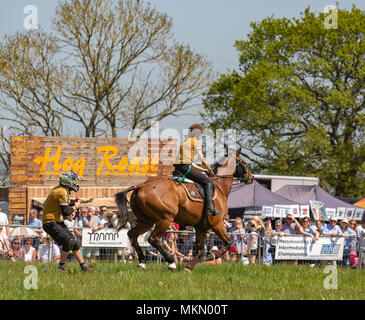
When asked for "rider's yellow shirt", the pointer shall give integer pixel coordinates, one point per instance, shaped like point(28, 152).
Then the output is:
point(52, 210)
point(187, 150)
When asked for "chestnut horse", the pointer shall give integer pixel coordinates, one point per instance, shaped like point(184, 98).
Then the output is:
point(160, 201)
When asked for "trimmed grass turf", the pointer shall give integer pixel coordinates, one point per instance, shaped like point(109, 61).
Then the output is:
point(229, 281)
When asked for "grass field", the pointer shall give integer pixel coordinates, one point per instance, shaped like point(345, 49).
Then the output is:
point(229, 281)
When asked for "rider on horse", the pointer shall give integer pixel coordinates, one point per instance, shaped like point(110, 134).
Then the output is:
point(185, 165)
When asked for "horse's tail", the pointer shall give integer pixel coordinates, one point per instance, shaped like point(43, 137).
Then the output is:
point(121, 201)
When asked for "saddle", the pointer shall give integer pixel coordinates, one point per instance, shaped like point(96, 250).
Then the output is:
point(194, 190)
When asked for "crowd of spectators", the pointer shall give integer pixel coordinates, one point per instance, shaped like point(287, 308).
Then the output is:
point(258, 238)
point(252, 241)
point(40, 249)
point(255, 239)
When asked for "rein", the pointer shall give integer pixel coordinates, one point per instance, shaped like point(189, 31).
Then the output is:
point(223, 177)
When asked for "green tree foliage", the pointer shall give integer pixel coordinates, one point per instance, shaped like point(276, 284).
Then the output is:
point(297, 100)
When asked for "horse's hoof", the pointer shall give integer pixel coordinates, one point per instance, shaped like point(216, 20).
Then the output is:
point(172, 267)
point(142, 266)
point(188, 270)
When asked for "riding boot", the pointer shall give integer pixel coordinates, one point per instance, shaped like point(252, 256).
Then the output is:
point(209, 204)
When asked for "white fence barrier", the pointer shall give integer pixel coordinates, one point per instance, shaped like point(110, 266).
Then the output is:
point(115, 245)
point(297, 247)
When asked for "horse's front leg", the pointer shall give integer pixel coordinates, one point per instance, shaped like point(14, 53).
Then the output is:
point(200, 238)
point(221, 231)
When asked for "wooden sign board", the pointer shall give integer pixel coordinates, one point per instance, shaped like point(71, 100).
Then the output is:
point(101, 162)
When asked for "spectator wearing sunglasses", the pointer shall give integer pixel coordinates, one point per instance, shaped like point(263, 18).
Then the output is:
point(29, 252)
point(332, 228)
point(16, 249)
point(308, 230)
point(291, 225)
point(103, 214)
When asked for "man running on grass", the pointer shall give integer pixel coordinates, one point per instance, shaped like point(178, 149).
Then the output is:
point(56, 205)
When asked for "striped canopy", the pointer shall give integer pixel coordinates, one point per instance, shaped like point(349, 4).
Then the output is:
point(360, 203)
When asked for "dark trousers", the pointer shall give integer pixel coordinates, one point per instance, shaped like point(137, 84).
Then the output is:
point(198, 176)
point(194, 174)
point(60, 234)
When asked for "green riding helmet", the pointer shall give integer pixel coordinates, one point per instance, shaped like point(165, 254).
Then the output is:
point(69, 179)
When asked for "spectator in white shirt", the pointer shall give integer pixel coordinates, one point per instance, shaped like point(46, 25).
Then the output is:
point(102, 214)
point(5, 251)
point(350, 242)
point(274, 237)
point(93, 253)
point(360, 230)
point(29, 252)
point(4, 222)
point(332, 228)
point(71, 223)
point(252, 242)
point(45, 255)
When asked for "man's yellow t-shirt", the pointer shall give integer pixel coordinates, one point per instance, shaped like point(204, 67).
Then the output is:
point(52, 210)
point(187, 151)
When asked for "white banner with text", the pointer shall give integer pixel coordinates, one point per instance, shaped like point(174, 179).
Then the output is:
point(298, 247)
point(105, 238)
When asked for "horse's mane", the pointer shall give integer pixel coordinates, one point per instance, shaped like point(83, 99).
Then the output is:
point(222, 160)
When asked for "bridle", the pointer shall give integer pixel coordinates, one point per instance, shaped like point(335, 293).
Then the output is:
point(216, 177)
point(238, 162)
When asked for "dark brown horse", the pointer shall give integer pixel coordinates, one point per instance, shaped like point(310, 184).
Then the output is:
point(160, 201)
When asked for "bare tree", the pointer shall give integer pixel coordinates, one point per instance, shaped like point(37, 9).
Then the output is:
point(124, 67)
point(27, 67)
point(4, 157)
point(108, 65)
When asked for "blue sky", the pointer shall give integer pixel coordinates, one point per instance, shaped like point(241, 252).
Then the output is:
point(209, 26)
